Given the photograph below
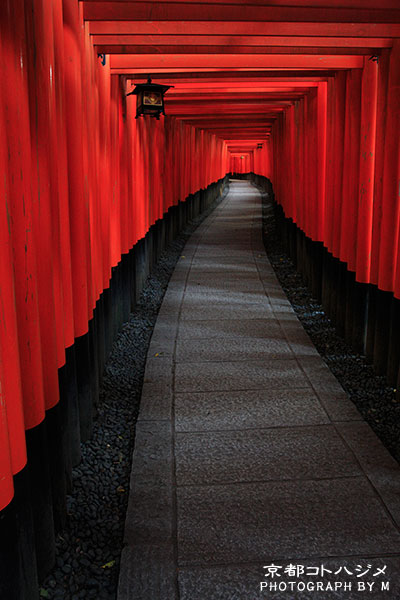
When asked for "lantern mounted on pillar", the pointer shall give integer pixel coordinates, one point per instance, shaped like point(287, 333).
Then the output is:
point(150, 98)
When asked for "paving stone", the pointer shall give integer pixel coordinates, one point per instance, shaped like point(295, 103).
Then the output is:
point(152, 457)
point(165, 328)
point(338, 405)
point(212, 411)
point(380, 467)
point(222, 306)
point(149, 515)
point(224, 284)
point(245, 375)
point(253, 522)
point(161, 346)
point(156, 402)
point(225, 270)
point(261, 455)
point(147, 572)
point(320, 375)
point(249, 329)
point(254, 296)
point(216, 252)
point(239, 264)
point(158, 370)
point(235, 348)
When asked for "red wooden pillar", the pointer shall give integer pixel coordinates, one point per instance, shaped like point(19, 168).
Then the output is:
point(390, 183)
point(338, 161)
point(44, 180)
point(17, 134)
point(77, 205)
point(383, 75)
point(321, 159)
point(62, 175)
point(12, 435)
point(367, 169)
point(351, 157)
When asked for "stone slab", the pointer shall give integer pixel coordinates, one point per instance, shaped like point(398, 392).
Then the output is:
point(248, 329)
point(337, 405)
point(222, 306)
point(246, 375)
point(238, 348)
point(215, 411)
point(321, 376)
point(152, 457)
point(147, 572)
point(224, 285)
point(158, 370)
point(155, 402)
point(380, 467)
point(214, 457)
point(149, 515)
point(253, 522)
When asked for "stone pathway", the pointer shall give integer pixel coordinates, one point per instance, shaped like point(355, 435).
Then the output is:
point(248, 453)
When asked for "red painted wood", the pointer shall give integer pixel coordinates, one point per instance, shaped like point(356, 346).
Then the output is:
point(20, 208)
point(383, 74)
point(294, 43)
point(389, 233)
point(145, 11)
point(367, 170)
point(351, 159)
point(254, 28)
point(77, 204)
point(229, 61)
point(12, 437)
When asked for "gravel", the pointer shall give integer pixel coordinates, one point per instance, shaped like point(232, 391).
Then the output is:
point(88, 550)
point(374, 399)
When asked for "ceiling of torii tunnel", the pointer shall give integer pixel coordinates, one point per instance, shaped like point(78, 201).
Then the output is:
point(235, 68)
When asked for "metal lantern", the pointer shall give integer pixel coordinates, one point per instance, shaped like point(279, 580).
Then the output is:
point(150, 98)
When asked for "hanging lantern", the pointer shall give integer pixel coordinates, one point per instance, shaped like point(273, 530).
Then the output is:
point(150, 98)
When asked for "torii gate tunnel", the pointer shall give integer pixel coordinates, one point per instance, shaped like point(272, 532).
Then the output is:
point(307, 97)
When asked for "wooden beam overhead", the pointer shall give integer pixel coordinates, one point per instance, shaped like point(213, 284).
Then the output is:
point(248, 50)
point(162, 41)
point(249, 28)
point(195, 11)
point(344, 4)
point(234, 61)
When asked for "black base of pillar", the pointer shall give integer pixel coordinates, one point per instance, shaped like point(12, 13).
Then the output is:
point(83, 371)
point(359, 316)
point(382, 331)
point(18, 573)
point(393, 363)
point(41, 498)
